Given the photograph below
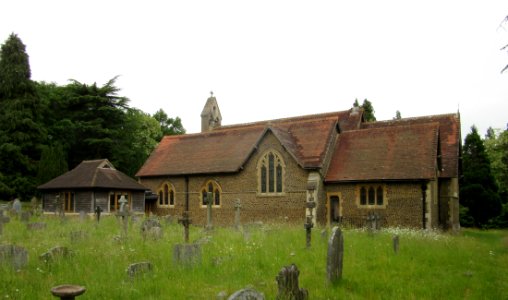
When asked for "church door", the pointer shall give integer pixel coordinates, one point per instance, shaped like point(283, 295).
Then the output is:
point(334, 213)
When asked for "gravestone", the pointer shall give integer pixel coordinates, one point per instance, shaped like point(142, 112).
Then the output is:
point(238, 206)
point(185, 220)
point(373, 222)
point(187, 254)
point(36, 226)
point(25, 216)
point(82, 215)
point(222, 295)
point(247, 294)
point(55, 253)
point(3, 220)
point(396, 244)
point(147, 228)
point(13, 255)
point(335, 255)
point(287, 282)
point(324, 233)
point(16, 206)
point(138, 269)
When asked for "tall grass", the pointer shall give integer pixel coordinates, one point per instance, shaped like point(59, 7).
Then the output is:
point(429, 265)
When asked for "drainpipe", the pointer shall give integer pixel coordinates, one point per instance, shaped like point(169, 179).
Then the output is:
point(186, 193)
point(424, 204)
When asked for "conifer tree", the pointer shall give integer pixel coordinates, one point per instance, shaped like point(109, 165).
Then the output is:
point(20, 133)
point(368, 111)
point(478, 189)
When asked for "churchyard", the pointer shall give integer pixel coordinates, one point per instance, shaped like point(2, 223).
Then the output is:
point(113, 259)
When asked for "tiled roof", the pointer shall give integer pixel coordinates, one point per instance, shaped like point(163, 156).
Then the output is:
point(227, 148)
point(93, 174)
point(449, 137)
point(389, 153)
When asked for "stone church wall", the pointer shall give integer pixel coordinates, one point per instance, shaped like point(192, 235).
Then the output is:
point(403, 204)
point(289, 207)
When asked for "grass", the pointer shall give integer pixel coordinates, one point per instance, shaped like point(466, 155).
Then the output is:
point(429, 265)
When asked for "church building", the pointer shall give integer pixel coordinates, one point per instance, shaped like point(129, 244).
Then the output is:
point(405, 171)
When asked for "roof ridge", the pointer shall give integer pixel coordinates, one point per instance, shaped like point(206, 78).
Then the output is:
point(413, 118)
point(428, 124)
point(283, 120)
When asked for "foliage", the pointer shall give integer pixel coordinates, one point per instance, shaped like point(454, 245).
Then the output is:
point(21, 132)
point(470, 264)
point(45, 128)
point(169, 126)
point(53, 163)
point(368, 110)
point(496, 146)
point(398, 116)
point(478, 189)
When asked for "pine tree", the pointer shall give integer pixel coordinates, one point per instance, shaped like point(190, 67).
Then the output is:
point(478, 189)
point(20, 132)
point(368, 111)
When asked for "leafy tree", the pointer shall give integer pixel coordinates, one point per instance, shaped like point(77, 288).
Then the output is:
point(496, 146)
point(21, 134)
point(397, 116)
point(478, 189)
point(356, 104)
point(169, 126)
point(141, 135)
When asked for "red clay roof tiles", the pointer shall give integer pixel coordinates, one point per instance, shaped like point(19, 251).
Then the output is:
point(390, 153)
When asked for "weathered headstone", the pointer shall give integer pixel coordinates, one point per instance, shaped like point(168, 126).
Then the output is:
point(82, 215)
point(36, 226)
point(138, 269)
point(151, 228)
point(25, 216)
point(396, 244)
point(122, 203)
point(335, 255)
point(373, 222)
point(187, 254)
point(324, 233)
point(309, 222)
point(3, 220)
point(55, 253)
point(16, 206)
point(209, 202)
point(13, 255)
point(238, 206)
point(247, 294)
point(287, 282)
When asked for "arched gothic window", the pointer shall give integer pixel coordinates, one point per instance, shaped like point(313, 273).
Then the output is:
point(271, 169)
point(166, 195)
point(213, 187)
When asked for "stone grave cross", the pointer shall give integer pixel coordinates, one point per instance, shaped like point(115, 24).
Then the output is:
point(238, 206)
point(209, 202)
point(373, 222)
point(311, 204)
point(3, 220)
point(185, 221)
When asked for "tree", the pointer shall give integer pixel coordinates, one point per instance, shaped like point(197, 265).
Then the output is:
point(496, 146)
point(397, 116)
point(368, 111)
point(478, 189)
point(21, 133)
point(169, 126)
point(53, 163)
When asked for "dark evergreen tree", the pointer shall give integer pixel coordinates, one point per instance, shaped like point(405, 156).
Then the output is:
point(478, 189)
point(21, 134)
point(53, 163)
point(368, 111)
point(397, 115)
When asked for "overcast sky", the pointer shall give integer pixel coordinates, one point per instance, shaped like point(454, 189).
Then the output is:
point(275, 59)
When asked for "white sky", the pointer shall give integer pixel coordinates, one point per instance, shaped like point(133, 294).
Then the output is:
point(275, 59)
